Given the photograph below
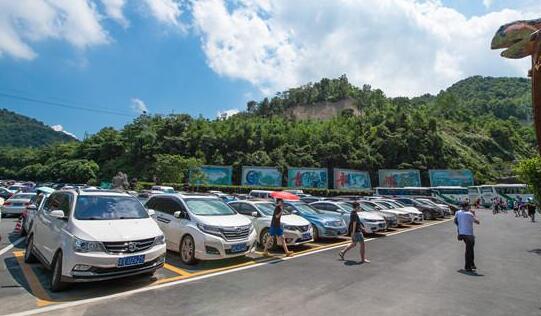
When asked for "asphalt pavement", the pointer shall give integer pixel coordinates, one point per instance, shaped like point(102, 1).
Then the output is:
point(418, 272)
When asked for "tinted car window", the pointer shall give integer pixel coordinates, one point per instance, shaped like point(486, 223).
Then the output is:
point(246, 209)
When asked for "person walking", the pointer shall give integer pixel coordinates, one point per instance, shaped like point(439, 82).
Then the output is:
point(356, 228)
point(276, 230)
point(515, 208)
point(464, 220)
point(531, 209)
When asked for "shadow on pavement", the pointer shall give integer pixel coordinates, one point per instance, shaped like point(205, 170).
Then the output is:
point(352, 263)
point(536, 251)
point(470, 273)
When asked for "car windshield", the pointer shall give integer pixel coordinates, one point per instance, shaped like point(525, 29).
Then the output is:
point(422, 202)
point(368, 207)
point(266, 208)
point(209, 207)
point(428, 202)
point(109, 208)
point(395, 204)
point(385, 205)
point(306, 209)
point(22, 196)
point(346, 206)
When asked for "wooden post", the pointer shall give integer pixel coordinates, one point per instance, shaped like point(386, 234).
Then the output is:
point(536, 97)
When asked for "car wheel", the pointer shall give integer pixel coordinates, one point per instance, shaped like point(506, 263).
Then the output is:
point(28, 254)
point(265, 238)
point(427, 215)
point(23, 230)
point(56, 278)
point(315, 233)
point(187, 250)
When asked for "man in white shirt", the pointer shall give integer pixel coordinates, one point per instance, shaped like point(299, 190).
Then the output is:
point(464, 220)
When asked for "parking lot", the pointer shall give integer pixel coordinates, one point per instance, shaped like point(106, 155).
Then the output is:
point(25, 287)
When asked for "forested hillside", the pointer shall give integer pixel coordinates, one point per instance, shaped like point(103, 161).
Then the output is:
point(478, 123)
point(20, 131)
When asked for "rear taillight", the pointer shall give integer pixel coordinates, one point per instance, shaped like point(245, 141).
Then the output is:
point(27, 203)
point(7, 203)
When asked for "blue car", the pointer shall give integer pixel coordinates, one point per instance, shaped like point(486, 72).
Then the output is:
point(325, 225)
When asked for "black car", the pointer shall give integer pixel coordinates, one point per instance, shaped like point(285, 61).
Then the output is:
point(429, 212)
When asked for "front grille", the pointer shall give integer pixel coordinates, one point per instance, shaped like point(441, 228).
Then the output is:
point(128, 246)
point(236, 233)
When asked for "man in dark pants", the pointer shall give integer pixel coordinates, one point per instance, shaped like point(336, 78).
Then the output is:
point(531, 209)
point(464, 220)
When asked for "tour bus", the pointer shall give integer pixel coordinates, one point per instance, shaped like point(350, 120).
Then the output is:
point(505, 192)
point(474, 193)
point(451, 194)
point(404, 192)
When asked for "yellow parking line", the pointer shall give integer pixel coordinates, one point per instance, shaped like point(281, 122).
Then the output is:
point(37, 289)
point(176, 270)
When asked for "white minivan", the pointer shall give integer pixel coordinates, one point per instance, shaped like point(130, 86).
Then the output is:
point(94, 235)
point(202, 227)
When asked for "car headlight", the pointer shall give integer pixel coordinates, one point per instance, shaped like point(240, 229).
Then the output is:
point(332, 224)
point(252, 228)
point(213, 230)
point(80, 245)
point(160, 240)
point(289, 227)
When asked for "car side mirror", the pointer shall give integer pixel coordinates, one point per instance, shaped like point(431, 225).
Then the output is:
point(177, 214)
point(58, 214)
point(254, 214)
point(32, 207)
point(294, 212)
point(151, 212)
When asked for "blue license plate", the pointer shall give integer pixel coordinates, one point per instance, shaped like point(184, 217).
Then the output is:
point(306, 236)
point(131, 261)
point(238, 248)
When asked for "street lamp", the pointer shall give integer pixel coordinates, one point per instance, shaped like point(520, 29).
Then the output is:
point(522, 39)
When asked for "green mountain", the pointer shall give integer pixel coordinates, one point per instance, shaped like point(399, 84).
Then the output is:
point(20, 131)
point(483, 124)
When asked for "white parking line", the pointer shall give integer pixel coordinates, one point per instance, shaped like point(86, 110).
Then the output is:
point(193, 279)
point(13, 244)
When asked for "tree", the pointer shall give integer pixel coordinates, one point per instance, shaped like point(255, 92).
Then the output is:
point(174, 168)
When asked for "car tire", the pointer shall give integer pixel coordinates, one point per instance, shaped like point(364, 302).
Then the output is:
point(187, 250)
point(23, 230)
point(28, 253)
point(263, 236)
point(56, 276)
point(427, 215)
point(315, 233)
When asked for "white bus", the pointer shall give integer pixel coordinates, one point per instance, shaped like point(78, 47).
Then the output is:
point(505, 192)
point(404, 192)
point(474, 193)
point(451, 194)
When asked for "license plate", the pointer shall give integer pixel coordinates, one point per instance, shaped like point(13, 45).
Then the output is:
point(306, 236)
point(238, 248)
point(131, 261)
point(17, 204)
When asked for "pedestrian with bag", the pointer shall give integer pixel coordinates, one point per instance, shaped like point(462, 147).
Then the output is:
point(276, 230)
point(464, 219)
point(356, 227)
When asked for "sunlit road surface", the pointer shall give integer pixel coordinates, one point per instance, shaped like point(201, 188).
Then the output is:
point(414, 271)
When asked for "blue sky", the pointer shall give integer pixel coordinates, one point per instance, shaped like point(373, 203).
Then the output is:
point(202, 57)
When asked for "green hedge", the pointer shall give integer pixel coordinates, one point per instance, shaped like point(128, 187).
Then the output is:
point(247, 189)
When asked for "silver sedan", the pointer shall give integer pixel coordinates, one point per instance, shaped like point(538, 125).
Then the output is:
point(16, 204)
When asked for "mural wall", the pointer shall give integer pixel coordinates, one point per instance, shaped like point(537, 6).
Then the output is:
point(347, 179)
point(451, 177)
point(213, 175)
point(261, 176)
point(396, 178)
point(307, 178)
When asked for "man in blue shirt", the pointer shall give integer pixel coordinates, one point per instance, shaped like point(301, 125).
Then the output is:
point(464, 220)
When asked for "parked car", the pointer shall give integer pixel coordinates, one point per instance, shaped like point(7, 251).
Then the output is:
point(372, 222)
point(202, 227)
point(90, 236)
point(224, 197)
point(16, 204)
point(429, 212)
point(6, 193)
point(260, 194)
point(311, 199)
point(391, 220)
point(450, 209)
point(401, 217)
point(163, 189)
point(445, 209)
point(35, 203)
point(297, 230)
point(324, 225)
point(414, 212)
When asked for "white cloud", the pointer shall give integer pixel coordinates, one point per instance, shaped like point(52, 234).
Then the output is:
point(139, 106)
point(114, 9)
point(487, 3)
point(27, 21)
point(227, 113)
point(405, 47)
point(166, 11)
point(60, 128)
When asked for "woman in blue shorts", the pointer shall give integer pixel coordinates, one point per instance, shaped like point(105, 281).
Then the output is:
point(356, 227)
point(276, 230)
